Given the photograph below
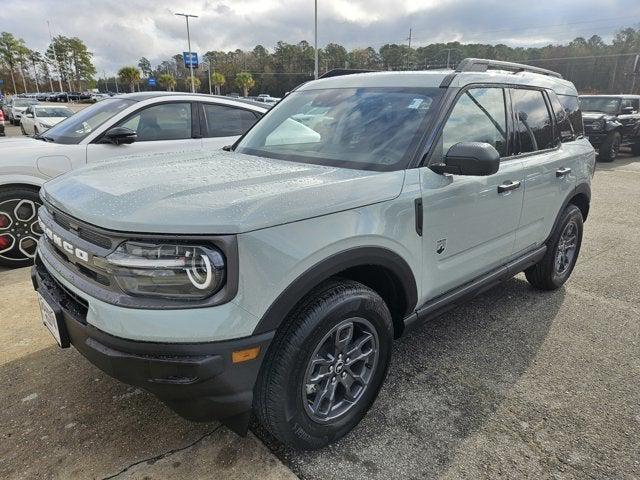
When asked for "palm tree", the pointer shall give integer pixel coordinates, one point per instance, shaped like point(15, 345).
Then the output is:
point(167, 82)
point(218, 81)
point(245, 81)
point(196, 83)
point(130, 75)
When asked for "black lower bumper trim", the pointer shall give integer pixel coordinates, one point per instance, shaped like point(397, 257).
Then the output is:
point(199, 381)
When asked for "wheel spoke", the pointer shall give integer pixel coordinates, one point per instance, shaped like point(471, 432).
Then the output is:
point(344, 334)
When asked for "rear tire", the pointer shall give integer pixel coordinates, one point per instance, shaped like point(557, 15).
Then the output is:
point(635, 148)
point(325, 365)
point(563, 248)
point(19, 229)
point(609, 149)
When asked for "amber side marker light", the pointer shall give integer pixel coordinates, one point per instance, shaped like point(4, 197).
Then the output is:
point(245, 355)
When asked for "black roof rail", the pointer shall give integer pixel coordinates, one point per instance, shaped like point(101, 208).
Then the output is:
point(337, 72)
point(482, 65)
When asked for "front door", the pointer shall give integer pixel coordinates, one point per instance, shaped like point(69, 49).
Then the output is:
point(470, 222)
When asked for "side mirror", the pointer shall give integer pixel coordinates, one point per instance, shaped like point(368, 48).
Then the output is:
point(119, 136)
point(29, 115)
point(627, 110)
point(469, 158)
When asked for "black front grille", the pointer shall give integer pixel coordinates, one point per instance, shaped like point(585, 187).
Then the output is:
point(81, 231)
point(68, 300)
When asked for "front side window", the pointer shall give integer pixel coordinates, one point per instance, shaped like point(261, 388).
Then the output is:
point(166, 121)
point(479, 115)
point(533, 122)
point(227, 121)
point(368, 128)
point(77, 127)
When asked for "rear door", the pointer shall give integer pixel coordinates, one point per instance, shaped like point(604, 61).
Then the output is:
point(163, 127)
point(223, 124)
point(549, 164)
point(470, 222)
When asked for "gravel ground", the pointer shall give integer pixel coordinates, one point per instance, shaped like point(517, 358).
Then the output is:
point(517, 383)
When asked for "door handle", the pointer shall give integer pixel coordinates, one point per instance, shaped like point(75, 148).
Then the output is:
point(508, 186)
point(561, 172)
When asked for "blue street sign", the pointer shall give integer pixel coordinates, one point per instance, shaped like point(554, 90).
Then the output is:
point(190, 59)
point(152, 82)
point(1, 82)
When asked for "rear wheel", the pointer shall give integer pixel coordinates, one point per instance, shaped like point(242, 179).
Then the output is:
point(610, 147)
point(563, 248)
point(325, 365)
point(19, 227)
point(635, 148)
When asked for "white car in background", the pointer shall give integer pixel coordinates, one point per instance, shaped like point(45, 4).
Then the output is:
point(123, 126)
point(39, 118)
point(17, 106)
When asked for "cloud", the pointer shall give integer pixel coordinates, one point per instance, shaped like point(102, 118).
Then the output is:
point(120, 32)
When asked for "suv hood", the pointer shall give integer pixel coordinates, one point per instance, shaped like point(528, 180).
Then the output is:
point(592, 116)
point(220, 192)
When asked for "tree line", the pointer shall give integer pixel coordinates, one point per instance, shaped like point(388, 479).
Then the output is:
point(594, 65)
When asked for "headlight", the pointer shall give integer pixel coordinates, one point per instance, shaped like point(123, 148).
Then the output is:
point(172, 271)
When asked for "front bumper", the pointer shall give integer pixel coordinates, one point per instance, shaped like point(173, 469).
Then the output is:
point(199, 381)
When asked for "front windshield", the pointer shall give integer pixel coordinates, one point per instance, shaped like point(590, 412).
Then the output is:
point(75, 128)
point(53, 112)
point(600, 104)
point(22, 102)
point(364, 128)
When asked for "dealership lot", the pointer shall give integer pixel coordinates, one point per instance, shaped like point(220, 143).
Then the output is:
point(518, 384)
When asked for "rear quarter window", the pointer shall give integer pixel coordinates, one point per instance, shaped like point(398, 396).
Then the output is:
point(572, 107)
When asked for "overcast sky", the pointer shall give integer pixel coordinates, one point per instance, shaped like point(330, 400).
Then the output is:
point(119, 32)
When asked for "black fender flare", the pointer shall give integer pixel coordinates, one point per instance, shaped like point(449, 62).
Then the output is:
point(581, 188)
point(333, 265)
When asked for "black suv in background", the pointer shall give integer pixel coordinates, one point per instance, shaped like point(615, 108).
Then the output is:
point(611, 122)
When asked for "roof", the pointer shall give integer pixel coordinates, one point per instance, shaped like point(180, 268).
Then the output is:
point(141, 96)
point(434, 78)
point(620, 95)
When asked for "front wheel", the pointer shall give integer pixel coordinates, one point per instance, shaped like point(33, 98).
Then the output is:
point(325, 366)
point(19, 227)
point(563, 248)
point(609, 149)
point(22, 129)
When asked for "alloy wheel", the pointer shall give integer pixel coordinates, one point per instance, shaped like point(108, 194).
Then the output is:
point(567, 246)
point(340, 369)
point(19, 229)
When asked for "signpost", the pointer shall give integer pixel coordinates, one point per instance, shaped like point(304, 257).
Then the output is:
point(151, 82)
point(190, 59)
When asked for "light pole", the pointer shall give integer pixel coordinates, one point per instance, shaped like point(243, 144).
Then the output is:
point(315, 41)
point(209, 71)
point(186, 16)
point(55, 57)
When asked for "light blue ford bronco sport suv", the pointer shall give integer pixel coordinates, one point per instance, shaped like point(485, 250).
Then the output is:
point(272, 278)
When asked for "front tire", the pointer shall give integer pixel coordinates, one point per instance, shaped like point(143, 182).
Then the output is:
point(610, 147)
point(22, 129)
point(635, 148)
point(563, 249)
point(19, 228)
point(325, 366)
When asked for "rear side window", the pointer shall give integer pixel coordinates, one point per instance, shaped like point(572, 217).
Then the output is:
point(572, 107)
point(564, 131)
point(533, 122)
point(225, 121)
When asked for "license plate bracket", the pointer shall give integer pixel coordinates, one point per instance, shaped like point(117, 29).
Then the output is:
point(53, 319)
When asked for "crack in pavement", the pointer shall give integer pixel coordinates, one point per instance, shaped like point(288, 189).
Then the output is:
point(164, 455)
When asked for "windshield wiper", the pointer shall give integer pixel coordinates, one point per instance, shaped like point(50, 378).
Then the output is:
point(44, 138)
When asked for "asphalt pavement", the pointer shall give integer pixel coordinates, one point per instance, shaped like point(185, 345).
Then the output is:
point(516, 384)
